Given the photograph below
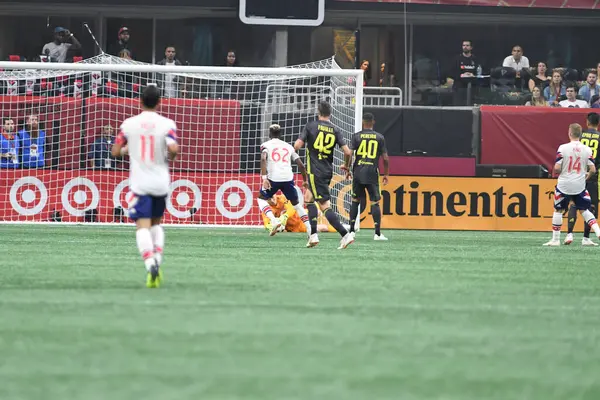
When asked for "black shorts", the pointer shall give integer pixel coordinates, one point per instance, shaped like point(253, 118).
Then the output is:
point(358, 191)
point(319, 187)
point(592, 188)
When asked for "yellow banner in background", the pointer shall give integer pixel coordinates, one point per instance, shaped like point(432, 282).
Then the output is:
point(448, 203)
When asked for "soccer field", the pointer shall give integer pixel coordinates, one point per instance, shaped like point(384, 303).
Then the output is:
point(427, 315)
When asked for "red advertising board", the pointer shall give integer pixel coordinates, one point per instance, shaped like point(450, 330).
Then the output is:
point(582, 4)
point(526, 135)
point(35, 195)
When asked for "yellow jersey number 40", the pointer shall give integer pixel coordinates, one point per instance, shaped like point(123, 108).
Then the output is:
point(368, 149)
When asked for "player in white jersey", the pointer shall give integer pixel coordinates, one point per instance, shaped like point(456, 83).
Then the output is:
point(574, 165)
point(151, 142)
point(276, 173)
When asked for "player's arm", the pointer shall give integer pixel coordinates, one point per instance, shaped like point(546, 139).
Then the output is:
point(119, 149)
point(386, 161)
point(558, 163)
point(591, 168)
point(172, 144)
point(301, 139)
point(263, 168)
point(301, 168)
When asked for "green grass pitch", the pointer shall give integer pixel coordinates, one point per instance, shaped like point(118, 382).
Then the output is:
point(427, 315)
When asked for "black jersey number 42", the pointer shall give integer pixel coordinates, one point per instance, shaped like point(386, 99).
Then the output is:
point(324, 144)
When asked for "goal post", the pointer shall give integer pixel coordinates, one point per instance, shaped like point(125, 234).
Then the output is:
point(59, 121)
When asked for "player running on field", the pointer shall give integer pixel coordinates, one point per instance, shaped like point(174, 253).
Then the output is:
point(151, 142)
point(368, 147)
point(276, 171)
point(590, 138)
point(574, 163)
point(321, 137)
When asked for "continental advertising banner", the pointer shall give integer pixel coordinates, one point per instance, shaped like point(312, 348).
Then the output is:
point(482, 204)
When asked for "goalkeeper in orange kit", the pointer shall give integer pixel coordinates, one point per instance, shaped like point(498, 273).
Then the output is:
point(289, 218)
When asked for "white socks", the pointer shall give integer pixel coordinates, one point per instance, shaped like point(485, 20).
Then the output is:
point(591, 221)
point(557, 220)
point(158, 239)
point(265, 208)
point(303, 216)
point(145, 246)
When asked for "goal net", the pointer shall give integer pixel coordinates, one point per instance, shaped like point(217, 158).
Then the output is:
point(60, 120)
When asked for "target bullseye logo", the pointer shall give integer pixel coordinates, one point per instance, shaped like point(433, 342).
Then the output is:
point(118, 196)
point(23, 196)
point(228, 199)
point(183, 196)
point(75, 202)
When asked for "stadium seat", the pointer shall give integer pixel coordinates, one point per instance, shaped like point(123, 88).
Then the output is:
point(14, 57)
point(77, 59)
point(502, 79)
point(570, 76)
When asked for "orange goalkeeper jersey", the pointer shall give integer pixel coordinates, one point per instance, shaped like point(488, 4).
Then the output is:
point(281, 205)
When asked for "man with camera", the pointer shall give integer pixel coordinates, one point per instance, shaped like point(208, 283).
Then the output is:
point(64, 41)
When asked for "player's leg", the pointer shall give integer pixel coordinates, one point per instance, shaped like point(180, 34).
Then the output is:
point(140, 210)
point(592, 188)
point(265, 208)
point(584, 204)
point(571, 220)
point(561, 203)
point(358, 196)
point(159, 204)
point(375, 197)
point(290, 193)
point(322, 196)
point(313, 213)
point(158, 239)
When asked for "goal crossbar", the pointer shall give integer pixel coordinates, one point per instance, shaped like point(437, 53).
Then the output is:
point(184, 69)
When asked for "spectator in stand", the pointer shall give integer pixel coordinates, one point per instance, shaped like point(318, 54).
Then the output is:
point(170, 81)
point(9, 145)
point(517, 60)
point(591, 88)
point(365, 65)
point(540, 79)
point(463, 72)
point(33, 144)
point(555, 89)
point(121, 44)
point(100, 156)
point(64, 41)
point(231, 60)
point(537, 100)
point(572, 101)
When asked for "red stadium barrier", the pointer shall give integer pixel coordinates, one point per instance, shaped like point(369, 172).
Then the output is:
point(525, 135)
point(34, 195)
point(62, 113)
point(209, 130)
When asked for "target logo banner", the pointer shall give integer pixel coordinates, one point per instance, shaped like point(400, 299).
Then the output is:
point(194, 198)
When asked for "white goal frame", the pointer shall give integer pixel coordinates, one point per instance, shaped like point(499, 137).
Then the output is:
point(41, 70)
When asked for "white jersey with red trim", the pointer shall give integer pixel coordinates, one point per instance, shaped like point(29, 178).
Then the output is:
point(147, 136)
point(575, 159)
point(280, 156)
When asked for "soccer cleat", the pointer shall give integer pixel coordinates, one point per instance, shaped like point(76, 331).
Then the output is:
point(588, 242)
point(568, 239)
point(313, 240)
point(346, 240)
point(154, 277)
point(379, 237)
point(552, 243)
point(275, 225)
